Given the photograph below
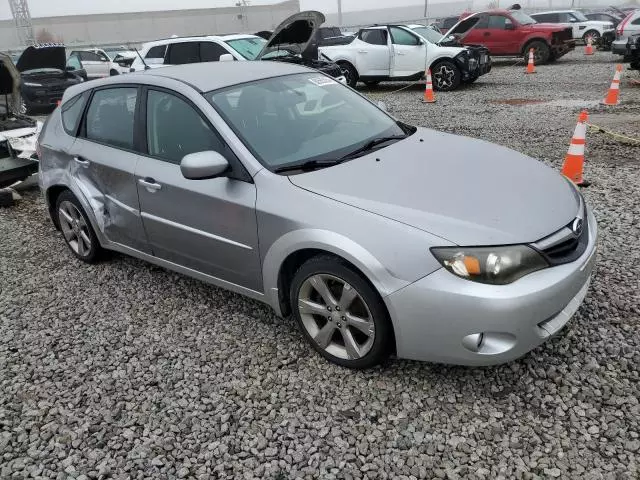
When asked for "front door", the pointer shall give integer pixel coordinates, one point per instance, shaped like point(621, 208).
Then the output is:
point(409, 53)
point(209, 225)
point(95, 66)
point(373, 53)
point(103, 164)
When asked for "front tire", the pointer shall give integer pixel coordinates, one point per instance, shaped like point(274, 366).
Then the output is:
point(350, 73)
point(340, 314)
point(541, 52)
point(76, 229)
point(594, 34)
point(445, 75)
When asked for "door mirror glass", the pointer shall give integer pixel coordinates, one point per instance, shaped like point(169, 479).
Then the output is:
point(203, 165)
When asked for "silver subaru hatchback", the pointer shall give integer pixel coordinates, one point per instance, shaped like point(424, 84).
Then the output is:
point(277, 182)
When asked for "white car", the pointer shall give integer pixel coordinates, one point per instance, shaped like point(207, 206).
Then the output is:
point(97, 63)
point(581, 26)
point(400, 52)
point(627, 27)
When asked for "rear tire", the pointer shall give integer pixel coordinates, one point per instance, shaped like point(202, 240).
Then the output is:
point(340, 314)
point(350, 73)
point(594, 34)
point(541, 52)
point(445, 75)
point(76, 228)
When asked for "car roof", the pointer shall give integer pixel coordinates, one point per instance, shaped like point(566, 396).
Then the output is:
point(553, 11)
point(196, 38)
point(214, 75)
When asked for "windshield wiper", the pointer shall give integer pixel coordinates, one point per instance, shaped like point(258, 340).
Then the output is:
point(309, 165)
point(371, 145)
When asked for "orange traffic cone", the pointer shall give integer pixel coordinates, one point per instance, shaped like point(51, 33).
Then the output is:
point(531, 66)
point(588, 48)
point(614, 89)
point(573, 167)
point(428, 93)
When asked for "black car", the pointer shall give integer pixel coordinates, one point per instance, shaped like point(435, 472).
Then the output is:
point(633, 51)
point(44, 76)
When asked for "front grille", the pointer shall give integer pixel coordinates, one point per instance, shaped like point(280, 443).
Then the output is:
point(565, 246)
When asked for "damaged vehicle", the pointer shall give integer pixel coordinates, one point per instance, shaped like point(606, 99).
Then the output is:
point(18, 134)
point(633, 51)
point(512, 33)
point(399, 52)
point(291, 42)
point(45, 76)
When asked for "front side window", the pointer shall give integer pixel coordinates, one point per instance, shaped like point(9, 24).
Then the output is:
point(498, 22)
point(74, 62)
point(293, 119)
point(72, 112)
point(374, 37)
point(211, 51)
point(89, 57)
point(176, 129)
point(579, 16)
point(249, 48)
point(400, 36)
point(183, 53)
point(110, 117)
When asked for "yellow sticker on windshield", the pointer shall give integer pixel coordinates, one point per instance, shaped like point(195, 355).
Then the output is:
point(322, 81)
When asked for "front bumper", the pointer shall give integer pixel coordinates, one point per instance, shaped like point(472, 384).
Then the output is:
point(441, 318)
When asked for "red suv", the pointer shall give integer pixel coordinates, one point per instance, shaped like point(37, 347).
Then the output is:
point(513, 33)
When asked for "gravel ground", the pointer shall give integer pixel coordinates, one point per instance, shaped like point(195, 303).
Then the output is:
point(124, 370)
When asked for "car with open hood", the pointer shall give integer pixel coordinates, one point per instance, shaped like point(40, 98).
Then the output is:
point(45, 76)
point(400, 52)
point(512, 33)
point(377, 236)
point(293, 41)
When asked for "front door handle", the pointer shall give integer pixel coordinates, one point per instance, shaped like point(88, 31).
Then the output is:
point(401, 53)
point(150, 184)
point(362, 51)
point(81, 161)
point(487, 34)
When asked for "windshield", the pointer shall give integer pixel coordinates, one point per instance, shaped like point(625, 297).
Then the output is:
point(428, 34)
point(298, 118)
point(249, 48)
point(580, 16)
point(522, 18)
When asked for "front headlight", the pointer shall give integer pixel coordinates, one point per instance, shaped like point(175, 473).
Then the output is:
point(31, 84)
point(492, 265)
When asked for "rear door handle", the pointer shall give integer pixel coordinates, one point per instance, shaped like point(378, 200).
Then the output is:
point(150, 184)
point(81, 161)
point(402, 53)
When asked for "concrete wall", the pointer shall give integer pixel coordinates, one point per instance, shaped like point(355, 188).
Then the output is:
point(135, 28)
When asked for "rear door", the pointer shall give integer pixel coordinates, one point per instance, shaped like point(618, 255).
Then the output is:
point(104, 159)
point(373, 54)
point(209, 225)
point(409, 53)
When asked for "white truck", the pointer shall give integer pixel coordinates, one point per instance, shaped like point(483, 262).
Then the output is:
point(404, 52)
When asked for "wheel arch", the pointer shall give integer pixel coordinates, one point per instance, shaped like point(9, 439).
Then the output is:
point(293, 248)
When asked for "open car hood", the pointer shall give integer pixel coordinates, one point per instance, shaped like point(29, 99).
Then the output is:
point(10, 82)
point(42, 56)
point(463, 27)
point(295, 33)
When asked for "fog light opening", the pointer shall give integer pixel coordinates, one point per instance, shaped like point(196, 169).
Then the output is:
point(489, 343)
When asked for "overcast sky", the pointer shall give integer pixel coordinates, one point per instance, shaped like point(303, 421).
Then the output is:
point(46, 8)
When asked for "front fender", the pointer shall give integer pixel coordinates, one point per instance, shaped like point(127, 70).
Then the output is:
point(330, 242)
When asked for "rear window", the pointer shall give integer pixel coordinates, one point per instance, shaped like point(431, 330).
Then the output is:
point(72, 112)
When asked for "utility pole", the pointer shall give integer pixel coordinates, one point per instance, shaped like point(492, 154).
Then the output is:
point(426, 11)
point(22, 20)
point(339, 13)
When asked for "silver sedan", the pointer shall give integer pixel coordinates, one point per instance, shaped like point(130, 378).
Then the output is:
point(279, 183)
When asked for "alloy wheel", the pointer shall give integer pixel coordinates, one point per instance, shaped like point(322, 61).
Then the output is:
point(443, 77)
point(336, 317)
point(74, 228)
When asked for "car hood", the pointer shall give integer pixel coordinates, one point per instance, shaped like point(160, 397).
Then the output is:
point(295, 33)
point(467, 191)
point(463, 27)
point(46, 56)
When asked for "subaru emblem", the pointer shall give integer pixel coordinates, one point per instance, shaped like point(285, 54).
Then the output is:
point(577, 226)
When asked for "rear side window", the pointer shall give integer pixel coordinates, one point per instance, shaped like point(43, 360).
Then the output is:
point(211, 51)
point(176, 129)
point(374, 37)
point(156, 52)
point(183, 53)
point(110, 117)
point(72, 112)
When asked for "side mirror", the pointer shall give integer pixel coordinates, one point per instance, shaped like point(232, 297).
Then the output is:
point(203, 165)
point(70, 68)
point(509, 26)
point(226, 57)
point(382, 106)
